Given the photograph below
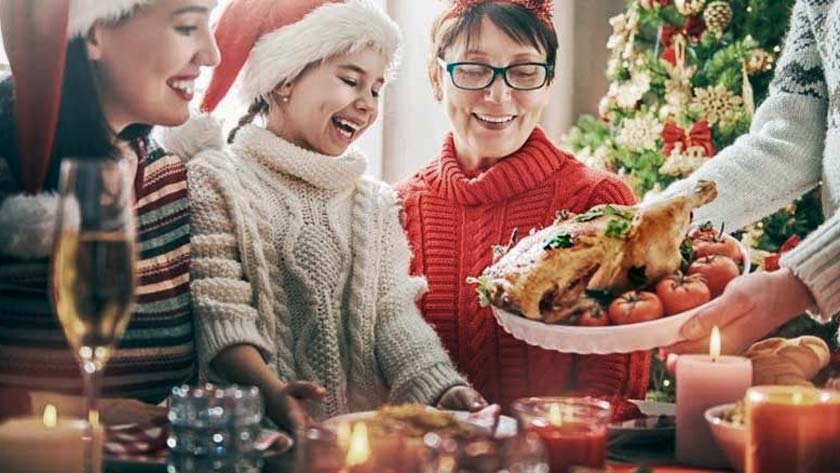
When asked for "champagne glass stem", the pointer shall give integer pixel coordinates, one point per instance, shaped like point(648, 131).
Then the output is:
point(92, 377)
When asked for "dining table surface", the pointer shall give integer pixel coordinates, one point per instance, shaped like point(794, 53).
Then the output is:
point(651, 458)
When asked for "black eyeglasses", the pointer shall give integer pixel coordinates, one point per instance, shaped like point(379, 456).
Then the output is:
point(477, 75)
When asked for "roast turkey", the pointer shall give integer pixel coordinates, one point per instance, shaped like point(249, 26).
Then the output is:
point(551, 274)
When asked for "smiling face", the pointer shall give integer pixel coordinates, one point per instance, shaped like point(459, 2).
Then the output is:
point(331, 104)
point(146, 65)
point(491, 123)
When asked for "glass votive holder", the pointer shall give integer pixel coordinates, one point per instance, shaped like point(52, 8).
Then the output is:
point(352, 449)
point(792, 428)
point(521, 453)
point(573, 429)
point(214, 428)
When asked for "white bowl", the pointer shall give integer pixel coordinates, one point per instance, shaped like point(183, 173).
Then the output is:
point(731, 438)
point(603, 340)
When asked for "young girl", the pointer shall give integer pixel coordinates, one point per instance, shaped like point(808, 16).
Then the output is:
point(301, 266)
point(127, 65)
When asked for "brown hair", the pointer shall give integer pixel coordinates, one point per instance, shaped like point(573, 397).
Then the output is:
point(521, 24)
point(259, 107)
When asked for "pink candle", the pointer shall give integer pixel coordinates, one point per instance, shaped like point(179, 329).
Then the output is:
point(704, 381)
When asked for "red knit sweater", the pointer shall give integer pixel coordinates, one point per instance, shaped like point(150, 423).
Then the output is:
point(453, 221)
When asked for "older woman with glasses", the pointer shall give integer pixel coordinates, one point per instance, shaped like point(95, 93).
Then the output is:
point(492, 68)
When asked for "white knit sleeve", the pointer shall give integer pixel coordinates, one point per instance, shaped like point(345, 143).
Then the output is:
point(221, 294)
point(780, 158)
point(409, 352)
point(816, 262)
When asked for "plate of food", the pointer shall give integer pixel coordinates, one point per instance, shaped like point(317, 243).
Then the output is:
point(416, 420)
point(726, 422)
point(657, 425)
point(614, 279)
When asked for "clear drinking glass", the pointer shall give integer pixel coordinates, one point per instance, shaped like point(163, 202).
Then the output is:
point(93, 268)
point(214, 429)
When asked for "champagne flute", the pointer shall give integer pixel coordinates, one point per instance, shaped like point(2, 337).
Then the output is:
point(93, 268)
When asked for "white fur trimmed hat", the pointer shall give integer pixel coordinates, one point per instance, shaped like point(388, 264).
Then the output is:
point(84, 13)
point(272, 42)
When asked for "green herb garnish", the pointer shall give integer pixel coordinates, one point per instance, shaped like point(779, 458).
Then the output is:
point(605, 211)
point(483, 289)
point(617, 228)
point(563, 240)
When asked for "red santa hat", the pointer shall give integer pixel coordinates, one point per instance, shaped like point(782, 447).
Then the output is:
point(35, 35)
point(271, 42)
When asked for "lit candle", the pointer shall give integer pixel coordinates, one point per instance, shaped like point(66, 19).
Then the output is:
point(792, 428)
point(353, 450)
point(704, 381)
point(48, 444)
point(358, 452)
point(574, 430)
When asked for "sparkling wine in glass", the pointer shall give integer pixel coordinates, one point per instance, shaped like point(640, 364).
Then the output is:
point(93, 267)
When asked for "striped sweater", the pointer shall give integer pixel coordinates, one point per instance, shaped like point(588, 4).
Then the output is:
point(157, 350)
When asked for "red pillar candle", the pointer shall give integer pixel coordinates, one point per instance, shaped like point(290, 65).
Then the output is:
point(792, 429)
point(574, 430)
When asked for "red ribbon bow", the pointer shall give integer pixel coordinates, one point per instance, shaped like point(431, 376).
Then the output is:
point(700, 135)
point(693, 29)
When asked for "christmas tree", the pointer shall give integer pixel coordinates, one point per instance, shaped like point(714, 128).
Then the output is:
point(685, 78)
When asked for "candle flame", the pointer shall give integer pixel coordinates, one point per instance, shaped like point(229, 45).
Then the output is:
point(50, 416)
point(555, 417)
point(359, 451)
point(714, 344)
point(344, 433)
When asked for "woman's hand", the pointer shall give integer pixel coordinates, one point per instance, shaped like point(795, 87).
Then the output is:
point(462, 398)
point(284, 405)
point(750, 308)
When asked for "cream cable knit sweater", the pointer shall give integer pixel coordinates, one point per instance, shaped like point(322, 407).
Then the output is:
point(793, 145)
point(301, 256)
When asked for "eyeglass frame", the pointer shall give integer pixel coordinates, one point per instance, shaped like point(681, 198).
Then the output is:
point(449, 67)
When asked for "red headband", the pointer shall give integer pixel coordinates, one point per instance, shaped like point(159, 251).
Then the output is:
point(542, 9)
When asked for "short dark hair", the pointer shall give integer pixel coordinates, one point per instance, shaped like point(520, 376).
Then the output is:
point(515, 20)
point(82, 129)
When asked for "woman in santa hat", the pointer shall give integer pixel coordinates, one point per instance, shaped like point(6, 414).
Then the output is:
point(90, 78)
point(492, 67)
point(300, 274)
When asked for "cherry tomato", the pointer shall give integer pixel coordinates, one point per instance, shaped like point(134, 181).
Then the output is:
point(716, 270)
point(679, 293)
point(635, 306)
point(718, 246)
point(595, 317)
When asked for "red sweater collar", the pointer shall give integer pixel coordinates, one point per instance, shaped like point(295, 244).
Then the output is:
point(523, 170)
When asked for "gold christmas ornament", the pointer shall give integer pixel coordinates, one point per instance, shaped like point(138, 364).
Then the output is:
point(607, 102)
point(717, 16)
point(716, 104)
point(683, 163)
point(689, 7)
point(759, 61)
point(640, 133)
